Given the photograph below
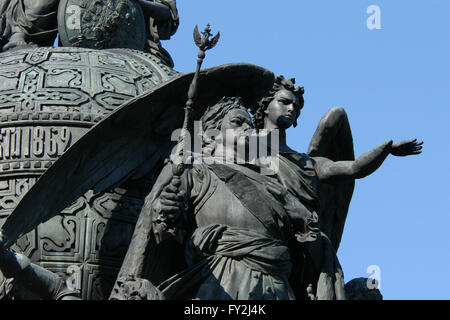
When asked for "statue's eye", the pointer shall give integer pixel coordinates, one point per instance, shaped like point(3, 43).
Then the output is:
point(236, 121)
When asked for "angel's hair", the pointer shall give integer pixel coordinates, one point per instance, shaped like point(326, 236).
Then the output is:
point(280, 83)
point(214, 115)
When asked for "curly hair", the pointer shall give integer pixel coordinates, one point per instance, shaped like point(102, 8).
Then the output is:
point(214, 115)
point(280, 83)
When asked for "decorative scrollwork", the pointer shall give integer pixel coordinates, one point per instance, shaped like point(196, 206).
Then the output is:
point(49, 97)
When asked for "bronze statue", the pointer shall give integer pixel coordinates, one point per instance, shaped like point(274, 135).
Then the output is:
point(208, 230)
point(323, 178)
point(29, 22)
point(218, 207)
point(28, 281)
point(148, 115)
point(36, 22)
point(162, 23)
point(236, 248)
point(71, 88)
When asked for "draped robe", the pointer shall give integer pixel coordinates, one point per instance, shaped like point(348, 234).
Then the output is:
point(240, 245)
point(298, 175)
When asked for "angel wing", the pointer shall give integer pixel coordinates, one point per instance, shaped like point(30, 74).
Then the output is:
point(333, 140)
point(129, 143)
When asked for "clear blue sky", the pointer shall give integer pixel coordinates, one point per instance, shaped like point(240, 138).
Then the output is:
point(394, 84)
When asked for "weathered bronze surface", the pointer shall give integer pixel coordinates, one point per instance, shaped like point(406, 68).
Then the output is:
point(49, 98)
point(91, 24)
point(93, 205)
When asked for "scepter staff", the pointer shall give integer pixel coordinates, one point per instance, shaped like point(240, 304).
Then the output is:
point(204, 43)
point(178, 160)
point(130, 275)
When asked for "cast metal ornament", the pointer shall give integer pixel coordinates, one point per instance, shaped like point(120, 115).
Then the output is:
point(101, 24)
point(49, 98)
point(86, 184)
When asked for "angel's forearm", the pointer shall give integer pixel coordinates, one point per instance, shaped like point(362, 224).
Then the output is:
point(366, 164)
point(370, 161)
point(155, 10)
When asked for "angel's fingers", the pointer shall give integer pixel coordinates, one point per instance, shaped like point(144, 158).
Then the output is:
point(408, 142)
point(412, 148)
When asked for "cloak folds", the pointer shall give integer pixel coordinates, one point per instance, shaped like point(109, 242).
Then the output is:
point(297, 174)
point(162, 30)
point(36, 19)
point(232, 263)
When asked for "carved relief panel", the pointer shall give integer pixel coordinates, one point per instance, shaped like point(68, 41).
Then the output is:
point(49, 98)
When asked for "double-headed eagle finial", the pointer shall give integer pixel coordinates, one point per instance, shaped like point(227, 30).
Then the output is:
point(205, 43)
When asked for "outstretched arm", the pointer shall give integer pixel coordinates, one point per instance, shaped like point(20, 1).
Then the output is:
point(367, 163)
point(42, 282)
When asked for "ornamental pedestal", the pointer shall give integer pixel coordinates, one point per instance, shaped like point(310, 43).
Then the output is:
point(50, 97)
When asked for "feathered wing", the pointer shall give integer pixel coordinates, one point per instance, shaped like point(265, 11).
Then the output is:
point(215, 40)
point(333, 140)
point(129, 143)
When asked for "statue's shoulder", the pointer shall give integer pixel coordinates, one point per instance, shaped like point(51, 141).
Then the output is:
point(303, 160)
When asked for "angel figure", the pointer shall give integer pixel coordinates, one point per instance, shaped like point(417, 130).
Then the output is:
point(323, 178)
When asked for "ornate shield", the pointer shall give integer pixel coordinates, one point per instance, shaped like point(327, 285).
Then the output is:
point(101, 24)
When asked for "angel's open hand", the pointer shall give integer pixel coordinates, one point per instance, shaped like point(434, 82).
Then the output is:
point(406, 148)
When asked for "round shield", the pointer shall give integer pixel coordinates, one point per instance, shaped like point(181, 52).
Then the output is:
point(101, 24)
